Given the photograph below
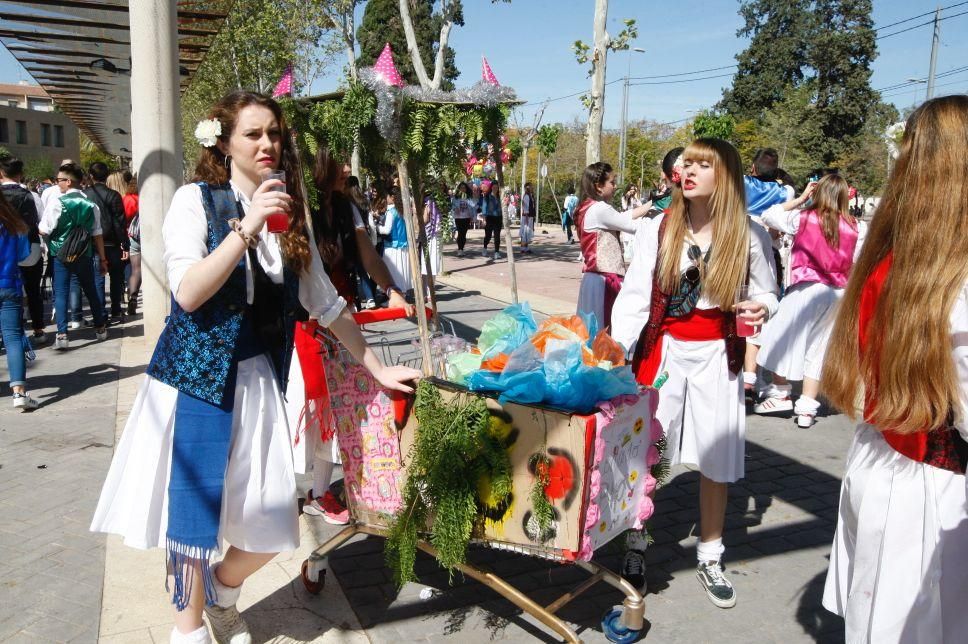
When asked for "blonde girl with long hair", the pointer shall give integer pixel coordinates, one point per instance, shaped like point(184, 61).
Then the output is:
point(827, 239)
point(899, 564)
point(679, 309)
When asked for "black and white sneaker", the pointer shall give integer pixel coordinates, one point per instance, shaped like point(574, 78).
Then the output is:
point(633, 569)
point(714, 582)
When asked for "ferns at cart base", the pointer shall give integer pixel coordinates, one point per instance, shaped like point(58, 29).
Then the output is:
point(452, 451)
point(541, 508)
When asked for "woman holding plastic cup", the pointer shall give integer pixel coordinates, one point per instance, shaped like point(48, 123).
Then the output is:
point(683, 310)
point(205, 456)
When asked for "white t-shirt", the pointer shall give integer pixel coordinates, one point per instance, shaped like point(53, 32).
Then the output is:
point(185, 232)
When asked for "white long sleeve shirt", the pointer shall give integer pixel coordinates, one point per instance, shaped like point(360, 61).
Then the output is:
point(633, 304)
point(788, 221)
point(185, 232)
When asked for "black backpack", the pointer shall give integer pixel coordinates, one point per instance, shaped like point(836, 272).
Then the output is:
point(75, 245)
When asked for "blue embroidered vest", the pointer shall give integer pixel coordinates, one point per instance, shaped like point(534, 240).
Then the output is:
point(196, 348)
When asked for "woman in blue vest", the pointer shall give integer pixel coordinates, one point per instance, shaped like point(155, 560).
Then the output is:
point(206, 454)
point(14, 248)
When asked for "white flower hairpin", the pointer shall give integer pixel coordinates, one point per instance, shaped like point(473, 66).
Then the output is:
point(207, 132)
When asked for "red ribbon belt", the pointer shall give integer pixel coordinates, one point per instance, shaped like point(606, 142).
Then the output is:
point(699, 325)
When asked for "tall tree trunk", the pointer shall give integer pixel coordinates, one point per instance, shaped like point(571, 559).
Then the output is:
point(418, 295)
point(593, 135)
point(508, 240)
point(425, 81)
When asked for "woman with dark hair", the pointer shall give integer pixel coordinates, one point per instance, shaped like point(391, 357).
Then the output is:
point(14, 248)
point(599, 225)
point(206, 453)
point(463, 206)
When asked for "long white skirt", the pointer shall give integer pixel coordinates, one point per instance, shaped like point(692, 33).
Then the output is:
point(899, 563)
point(793, 344)
point(398, 263)
point(526, 231)
point(701, 409)
point(433, 245)
point(591, 296)
point(259, 512)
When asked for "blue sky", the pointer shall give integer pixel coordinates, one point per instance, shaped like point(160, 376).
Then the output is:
point(528, 44)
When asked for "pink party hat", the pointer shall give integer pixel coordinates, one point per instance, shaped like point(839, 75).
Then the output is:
point(385, 68)
point(486, 74)
point(284, 86)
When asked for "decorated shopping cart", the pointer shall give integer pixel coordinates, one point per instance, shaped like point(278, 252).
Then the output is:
point(595, 472)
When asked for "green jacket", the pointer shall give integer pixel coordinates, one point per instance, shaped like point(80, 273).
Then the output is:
point(76, 210)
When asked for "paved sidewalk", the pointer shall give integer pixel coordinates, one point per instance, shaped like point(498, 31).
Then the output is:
point(780, 522)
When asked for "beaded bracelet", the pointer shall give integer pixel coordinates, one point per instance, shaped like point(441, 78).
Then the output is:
point(250, 239)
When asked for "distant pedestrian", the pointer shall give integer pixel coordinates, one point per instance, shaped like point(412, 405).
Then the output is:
point(462, 209)
point(115, 235)
point(568, 214)
point(529, 210)
point(14, 248)
point(490, 208)
point(70, 223)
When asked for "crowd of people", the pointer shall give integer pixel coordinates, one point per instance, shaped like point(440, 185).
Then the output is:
point(726, 281)
point(81, 232)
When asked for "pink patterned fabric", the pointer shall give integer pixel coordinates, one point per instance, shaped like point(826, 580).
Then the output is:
point(813, 260)
point(368, 441)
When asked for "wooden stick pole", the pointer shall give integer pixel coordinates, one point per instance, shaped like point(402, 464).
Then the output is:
point(424, 247)
point(509, 242)
point(418, 295)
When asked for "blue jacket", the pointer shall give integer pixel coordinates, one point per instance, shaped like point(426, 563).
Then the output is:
point(398, 230)
point(760, 195)
point(13, 249)
point(196, 349)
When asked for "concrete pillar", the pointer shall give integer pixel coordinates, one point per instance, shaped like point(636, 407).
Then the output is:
point(156, 142)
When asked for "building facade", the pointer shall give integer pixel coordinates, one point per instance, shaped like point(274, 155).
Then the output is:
point(31, 130)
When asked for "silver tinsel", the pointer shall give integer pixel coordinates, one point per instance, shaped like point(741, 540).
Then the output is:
point(389, 99)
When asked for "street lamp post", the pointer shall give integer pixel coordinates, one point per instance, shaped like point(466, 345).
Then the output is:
point(623, 137)
point(916, 81)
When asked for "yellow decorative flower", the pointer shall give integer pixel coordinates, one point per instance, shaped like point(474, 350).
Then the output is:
point(602, 526)
point(634, 476)
point(639, 424)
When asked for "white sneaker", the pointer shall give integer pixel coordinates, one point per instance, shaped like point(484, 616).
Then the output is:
point(227, 624)
point(485, 253)
point(102, 333)
point(24, 402)
point(61, 342)
point(774, 405)
point(805, 421)
point(460, 253)
point(74, 325)
point(497, 255)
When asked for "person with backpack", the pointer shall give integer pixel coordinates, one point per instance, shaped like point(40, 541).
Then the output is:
point(28, 205)
point(14, 249)
point(69, 225)
point(116, 244)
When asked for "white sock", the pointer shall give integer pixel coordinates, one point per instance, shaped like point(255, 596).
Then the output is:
point(749, 377)
point(227, 595)
point(322, 473)
point(806, 405)
point(198, 636)
point(778, 391)
point(637, 540)
point(709, 550)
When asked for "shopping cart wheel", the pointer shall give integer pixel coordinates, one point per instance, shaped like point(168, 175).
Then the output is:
point(313, 587)
point(613, 629)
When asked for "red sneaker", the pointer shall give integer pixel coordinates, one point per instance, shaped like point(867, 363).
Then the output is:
point(328, 507)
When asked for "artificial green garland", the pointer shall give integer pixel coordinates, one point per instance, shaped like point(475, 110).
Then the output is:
point(454, 456)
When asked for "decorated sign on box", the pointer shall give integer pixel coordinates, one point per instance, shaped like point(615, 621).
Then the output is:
point(619, 479)
point(368, 441)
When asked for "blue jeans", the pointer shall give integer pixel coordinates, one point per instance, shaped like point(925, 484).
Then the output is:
point(84, 272)
point(12, 327)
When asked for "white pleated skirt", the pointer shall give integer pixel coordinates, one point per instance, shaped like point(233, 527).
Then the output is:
point(433, 246)
point(899, 563)
point(702, 410)
point(591, 296)
point(794, 342)
point(526, 231)
point(259, 510)
point(398, 263)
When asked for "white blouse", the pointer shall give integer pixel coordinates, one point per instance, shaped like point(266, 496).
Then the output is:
point(788, 221)
point(185, 232)
point(631, 310)
point(602, 216)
